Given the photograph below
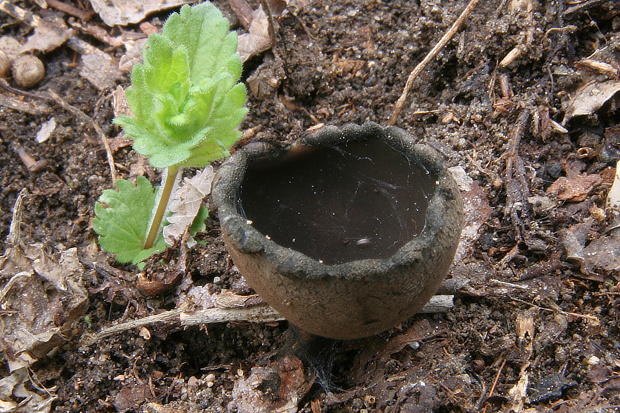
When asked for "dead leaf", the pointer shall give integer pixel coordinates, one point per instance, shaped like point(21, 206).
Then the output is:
point(118, 143)
point(590, 98)
point(476, 211)
point(124, 12)
point(602, 254)
point(228, 299)
point(186, 203)
point(293, 381)
point(269, 390)
point(132, 55)
point(574, 239)
point(131, 396)
point(119, 102)
point(16, 396)
point(575, 189)
point(257, 39)
point(100, 69)
point(49, 34)
point(159, 282)
point(599, 374)
point(42, 297)
point(254, 393)
point(420, 330)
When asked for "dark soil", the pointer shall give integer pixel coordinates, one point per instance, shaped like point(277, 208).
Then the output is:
point(533, 328)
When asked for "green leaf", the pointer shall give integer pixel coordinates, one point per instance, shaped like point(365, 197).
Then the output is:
point(122, 220)
point(184, 96)
point(198, 224)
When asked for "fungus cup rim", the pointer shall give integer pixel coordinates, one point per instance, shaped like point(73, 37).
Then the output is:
point(294, 264)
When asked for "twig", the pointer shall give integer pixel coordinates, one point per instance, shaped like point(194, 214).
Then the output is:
point(16, 91)
point(71, 10)
point(35, 109)
point(19, 14)
point(495, 381)
point(517, 186)
point(243, 11)
point(509, 285)
point(272, 28)
point(168, 316)
point(261, 313)
point(584, 6)
point(588, 317)
point(430, 56)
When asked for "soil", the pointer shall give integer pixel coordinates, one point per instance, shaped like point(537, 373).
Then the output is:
point(535, 320)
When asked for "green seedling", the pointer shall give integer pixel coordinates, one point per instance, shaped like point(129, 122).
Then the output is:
point(187, 104)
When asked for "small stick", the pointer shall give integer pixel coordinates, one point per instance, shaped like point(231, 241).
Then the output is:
point(577, 315)
point(516, 181)
point(430, 56)
point(32, 164)
point(35, 109)
point(70, 10)
point(20, 14)
point(243, 11)
point(261, 313)
point(495, 381)
point(583, 6)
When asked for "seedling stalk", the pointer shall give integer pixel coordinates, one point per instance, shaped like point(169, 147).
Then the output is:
point(158, 217)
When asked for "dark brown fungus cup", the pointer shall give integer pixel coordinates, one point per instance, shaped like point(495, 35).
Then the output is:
point(347, 232)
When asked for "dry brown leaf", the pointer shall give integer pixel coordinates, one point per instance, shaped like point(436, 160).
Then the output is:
point(590, 98)
point(186, 203)
point(131, 396)
point(42, 297)
point(575, 189)
point(48, 35)
point(124, 12)
point(269, 390)
point(257, 40)
point(476, 210)
point(132, 55)
point(100, 69)
point(16, 394)
point(601, 255)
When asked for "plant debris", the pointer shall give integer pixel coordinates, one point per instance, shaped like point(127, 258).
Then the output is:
point(186, 203)
point(41, 298)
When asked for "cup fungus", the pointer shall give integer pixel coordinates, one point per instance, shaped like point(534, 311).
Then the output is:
point(347, 232)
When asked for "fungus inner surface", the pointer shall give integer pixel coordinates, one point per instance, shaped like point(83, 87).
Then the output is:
point(336, 204)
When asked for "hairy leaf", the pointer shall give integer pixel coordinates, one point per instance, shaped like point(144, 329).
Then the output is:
point(185, 97)
point(123, 218)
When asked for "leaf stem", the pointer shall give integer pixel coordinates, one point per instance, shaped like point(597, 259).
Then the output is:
point(166, 191)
